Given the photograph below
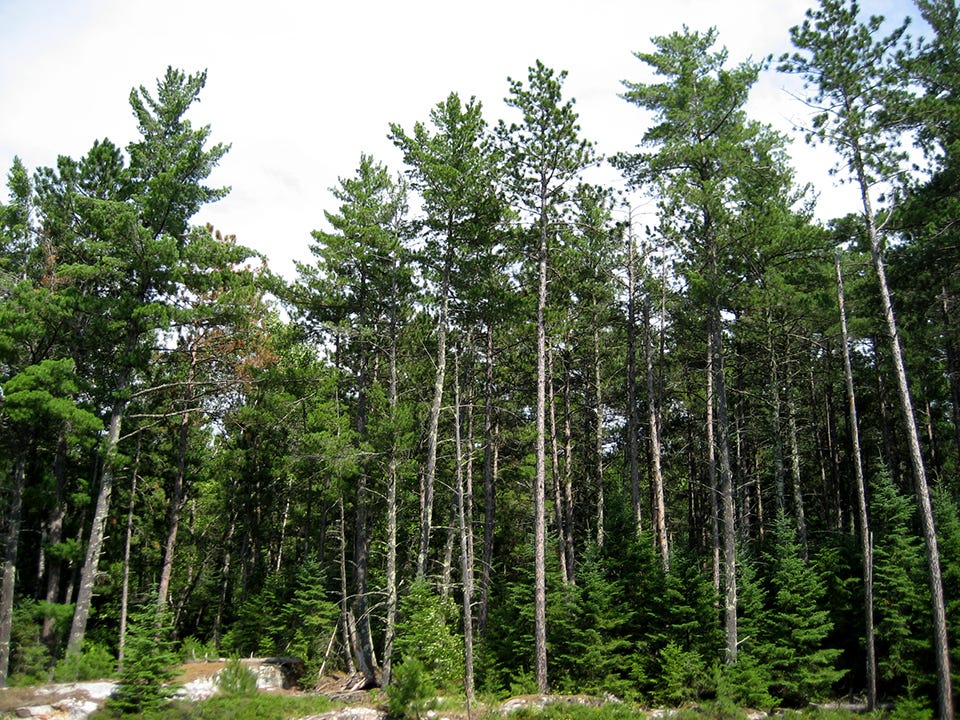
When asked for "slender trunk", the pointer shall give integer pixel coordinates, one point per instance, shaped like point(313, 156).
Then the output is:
point(54, 537)
point(712, 474)
point(940, 640)
point(726, 477)
point(865, 544)
point(633, 454)
point(11, 545)
point(446, 572)
point(127, 547)
point(91, 561)
point(344, 597)
point(555, 472)
point(568, 478)
point(176, 495)
point(224, 580)
point(798, 505)
point(952, 355)
point(777, 408)
point(391, 569)
point(466, 554)
point(433, 420)
point(489, 496)
point(656, 474)
point(539, 489)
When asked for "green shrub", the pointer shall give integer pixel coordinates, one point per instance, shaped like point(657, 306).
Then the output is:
point(94, 662)
point(193, 650)
point(683, 675)
point(425, 632)
point(237, 680)
point(411, 694)
point(148, 664)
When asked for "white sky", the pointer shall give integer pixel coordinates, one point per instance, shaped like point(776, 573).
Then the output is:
point(301, 89)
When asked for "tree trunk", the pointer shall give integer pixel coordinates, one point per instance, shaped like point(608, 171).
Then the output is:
point(653, 419)
point(54, 537)
point(88, 575)
point(633, 454)
point(539, 482)
point(726, 491)
point(489, 496)
point(390, 628)
point(940, 640)
point(127, 546)
point(11, 545)
point(712, 474)
point(466, 552)
point(798, 506)
point(865, 544)
point(433, 420)
point(555, 473)
point(176, 496)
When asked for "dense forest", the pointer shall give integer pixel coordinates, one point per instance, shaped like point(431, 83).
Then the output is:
point(495, 429)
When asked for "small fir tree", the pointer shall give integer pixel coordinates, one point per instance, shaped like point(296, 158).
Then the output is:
point(796, 624)
point(149, 662)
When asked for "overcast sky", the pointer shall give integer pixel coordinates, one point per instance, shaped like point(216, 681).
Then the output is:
point(301, 89)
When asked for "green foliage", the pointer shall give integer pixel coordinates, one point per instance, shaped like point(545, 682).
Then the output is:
point(236, 679)
point(193, 650)
point(426, 632)
point(900, 592)
point(145, 681)
point(412, 693)
point(310, 616)
point(683, 676)
point(261, 706)
point(93, 662)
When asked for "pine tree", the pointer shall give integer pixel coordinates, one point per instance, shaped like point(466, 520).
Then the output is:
point(796, 624)
point(149, 663)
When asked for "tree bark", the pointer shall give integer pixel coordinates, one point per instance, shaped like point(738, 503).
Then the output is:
point(88, 575)
point(466, 552)
point(539, 482)
point(11, 546)
point(555, 473)
point(653, 419)
point(489, 495)
point(633, 455)
point(433, 419)
point(940, 638)
point(865, 544)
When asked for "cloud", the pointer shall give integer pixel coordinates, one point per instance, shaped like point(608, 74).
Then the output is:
point(301, 89)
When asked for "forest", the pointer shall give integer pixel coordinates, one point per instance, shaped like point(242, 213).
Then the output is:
point(495, 434)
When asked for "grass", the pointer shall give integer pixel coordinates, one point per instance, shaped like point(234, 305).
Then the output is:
point(261, 706)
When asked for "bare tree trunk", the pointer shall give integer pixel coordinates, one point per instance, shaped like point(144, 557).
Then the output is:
point(391, 570)
point(88, 575)
point(653, 419)
point(568, 479)
point(433, 420)
point(345, 621)
point(712, 475)
point(54, 537)
point(633, 454)
point(127, 546)
point(940, 638)
point(466, 552)
point(176, 496)
point(798, 506)
point(726, 492)
point(489, 496)
point(865, 544)
point(11, 546)
point(555, 472)
point(539, 482)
